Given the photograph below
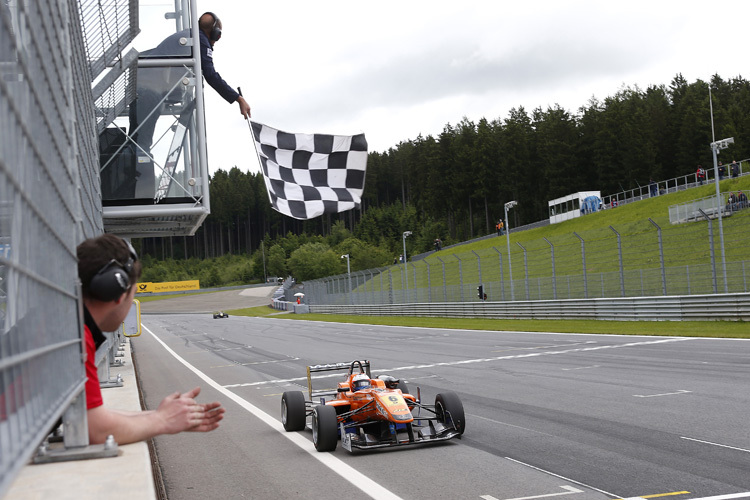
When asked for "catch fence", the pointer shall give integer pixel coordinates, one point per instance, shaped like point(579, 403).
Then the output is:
point(636, 260)
point(49, 201)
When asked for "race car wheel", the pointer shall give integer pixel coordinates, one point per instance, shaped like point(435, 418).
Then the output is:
point(404, 388)
point(293, 411)
point(324, 427)
point(450, 410)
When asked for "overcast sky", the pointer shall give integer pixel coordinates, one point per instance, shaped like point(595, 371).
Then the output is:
point(397, 69)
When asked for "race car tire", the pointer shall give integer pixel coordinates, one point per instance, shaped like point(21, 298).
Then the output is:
point(403, 387)
point(450, 410)
point(293, 411)
point(324, 427)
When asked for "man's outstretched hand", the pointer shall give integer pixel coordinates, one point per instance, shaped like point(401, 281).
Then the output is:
point(180, 412)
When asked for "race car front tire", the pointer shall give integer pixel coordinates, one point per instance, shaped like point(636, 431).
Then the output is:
point(293, 411)
point(450, 411)
point(324, 427)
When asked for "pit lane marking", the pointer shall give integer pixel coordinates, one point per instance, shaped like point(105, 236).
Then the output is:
point(663, 394)
point(476, 360)
point(569, 491)
point(744, 494)
point(544, 346)
point(658, 495)
point(255, 362)
point(561, 477)
point(359, 480)
point(715, 444)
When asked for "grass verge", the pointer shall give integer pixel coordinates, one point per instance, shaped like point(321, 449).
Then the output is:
point(716, 329)
point(258, 311)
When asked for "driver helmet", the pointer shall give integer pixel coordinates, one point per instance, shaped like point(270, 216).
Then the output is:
point(360, 382)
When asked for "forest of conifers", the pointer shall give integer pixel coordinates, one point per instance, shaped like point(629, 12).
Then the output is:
point(454, 185)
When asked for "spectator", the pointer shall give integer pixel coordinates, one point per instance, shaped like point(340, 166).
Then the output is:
point(732, 202)
point(108, 268)
point(722, 171)
point(741, 199)
point(500, 227)
point(734, 169)
point(438, 244)
point(653, 187)
point(700, 174)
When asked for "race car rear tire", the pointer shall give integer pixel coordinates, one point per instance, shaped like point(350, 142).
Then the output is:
point(324, 427)
point(293, 411)
point(403, 387)
point(450, 411)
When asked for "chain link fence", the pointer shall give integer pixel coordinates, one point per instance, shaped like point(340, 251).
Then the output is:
point(49, 201)
point(637, 260)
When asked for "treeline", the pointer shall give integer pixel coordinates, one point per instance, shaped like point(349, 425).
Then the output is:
point(454, 185)
point(303, 256)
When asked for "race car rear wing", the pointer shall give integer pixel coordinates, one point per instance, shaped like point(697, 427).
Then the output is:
point(331, 367)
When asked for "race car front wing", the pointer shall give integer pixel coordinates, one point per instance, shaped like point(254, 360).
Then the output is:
point(432, 433)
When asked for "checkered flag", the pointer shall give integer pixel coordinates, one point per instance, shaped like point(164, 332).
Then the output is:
point(308, 175)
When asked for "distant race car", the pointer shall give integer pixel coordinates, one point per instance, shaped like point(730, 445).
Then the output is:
point(370, 413)
point(220, 314)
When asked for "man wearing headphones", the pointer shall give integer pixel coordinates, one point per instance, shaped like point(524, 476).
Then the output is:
point(154, 84)
point(108, 268)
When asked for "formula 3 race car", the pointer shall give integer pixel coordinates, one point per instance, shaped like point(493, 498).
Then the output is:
point(220, 314)
point(367, 413)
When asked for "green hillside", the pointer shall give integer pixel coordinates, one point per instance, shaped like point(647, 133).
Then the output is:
point(686, 250)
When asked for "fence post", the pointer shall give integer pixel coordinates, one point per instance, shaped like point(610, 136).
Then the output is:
point(479, 266)
point(526, 270)
point(445, 289)
point(390, 286)
point(661, 258)
point(429, 283)
point(460, 277)
point(554, 275)
point(502, 284)
point(583, 258)
point(711, 245)
point(619, 253)
point(414, 266)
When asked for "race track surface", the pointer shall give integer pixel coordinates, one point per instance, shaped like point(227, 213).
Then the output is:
point(211, 301)
point(585, 417)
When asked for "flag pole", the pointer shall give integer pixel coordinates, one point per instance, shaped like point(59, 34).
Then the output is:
point(252, 136)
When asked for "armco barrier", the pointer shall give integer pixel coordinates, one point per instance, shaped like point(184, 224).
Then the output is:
point(729, 307)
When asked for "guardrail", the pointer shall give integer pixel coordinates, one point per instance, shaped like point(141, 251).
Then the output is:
point(729, 307)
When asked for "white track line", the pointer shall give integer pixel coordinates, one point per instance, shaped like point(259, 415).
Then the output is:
point(562, 477)
point(356, 478)
point(481, 360)
point(716, 444)
point(745, 494)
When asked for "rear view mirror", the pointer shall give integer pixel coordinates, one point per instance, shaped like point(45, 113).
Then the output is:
point(131, 327)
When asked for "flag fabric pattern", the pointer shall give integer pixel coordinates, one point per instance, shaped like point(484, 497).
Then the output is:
point(308, 175)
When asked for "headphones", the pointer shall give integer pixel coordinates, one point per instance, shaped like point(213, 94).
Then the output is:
point(113, 279)
point(215, 30)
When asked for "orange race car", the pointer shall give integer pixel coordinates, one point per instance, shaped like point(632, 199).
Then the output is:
point(370, 412)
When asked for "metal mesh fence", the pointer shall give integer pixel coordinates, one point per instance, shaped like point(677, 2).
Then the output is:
point(636, 260)
point(48, 202)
